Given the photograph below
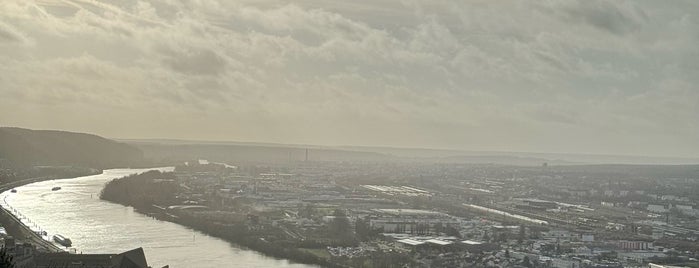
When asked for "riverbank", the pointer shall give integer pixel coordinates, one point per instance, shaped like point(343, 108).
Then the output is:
point(236, 234)
point(100, 227)
point(19, 231)
point(150, 193)
point(14, 225)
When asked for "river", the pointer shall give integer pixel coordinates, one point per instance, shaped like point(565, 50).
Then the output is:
point(97, 226)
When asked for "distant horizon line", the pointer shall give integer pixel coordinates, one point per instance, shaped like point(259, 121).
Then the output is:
point(694, 159)
point(301, 145)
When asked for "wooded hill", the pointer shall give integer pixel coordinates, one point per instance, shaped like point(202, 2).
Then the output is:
point(25, 147)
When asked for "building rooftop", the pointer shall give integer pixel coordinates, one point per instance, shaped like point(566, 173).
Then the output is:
point(410, 242)
point(408, 212)
point(438, 242)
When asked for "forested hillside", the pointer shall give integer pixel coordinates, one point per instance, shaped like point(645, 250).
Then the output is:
point(25, 147)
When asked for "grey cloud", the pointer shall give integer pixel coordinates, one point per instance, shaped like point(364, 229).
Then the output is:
point(195, 61)
point(608, 16)
point(440, 70)
point(547, 113)
point(10, 35)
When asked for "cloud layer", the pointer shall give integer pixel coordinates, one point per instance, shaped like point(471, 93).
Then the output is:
point(548, 76)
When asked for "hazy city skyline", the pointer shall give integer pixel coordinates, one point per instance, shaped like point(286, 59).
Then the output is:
point(604, 77)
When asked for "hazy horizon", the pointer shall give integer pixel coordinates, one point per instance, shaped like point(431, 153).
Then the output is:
point(345, 146)
point(364, 133)
point(578, 77)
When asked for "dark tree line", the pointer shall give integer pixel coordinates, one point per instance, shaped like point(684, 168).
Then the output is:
point(5, 259)
point(142, 191)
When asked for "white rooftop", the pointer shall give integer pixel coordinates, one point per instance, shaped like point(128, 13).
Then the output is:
point(410, 242)
point(409, 212)
point(438, 242)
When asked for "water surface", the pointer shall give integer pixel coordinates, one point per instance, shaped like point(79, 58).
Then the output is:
point(97, 226)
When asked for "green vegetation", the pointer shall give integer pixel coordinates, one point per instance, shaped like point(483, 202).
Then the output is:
point(340, 228)
point(5, 259)
point(320, 253)
point(157, 188)
point(142, 191)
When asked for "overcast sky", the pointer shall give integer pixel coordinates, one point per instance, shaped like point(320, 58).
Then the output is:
point(613, 77)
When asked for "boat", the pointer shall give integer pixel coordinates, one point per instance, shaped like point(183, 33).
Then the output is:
point(13, 191)
point(62, 240)
point(56, 188)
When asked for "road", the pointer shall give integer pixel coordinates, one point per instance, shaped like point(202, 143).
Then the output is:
point(15, 227)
